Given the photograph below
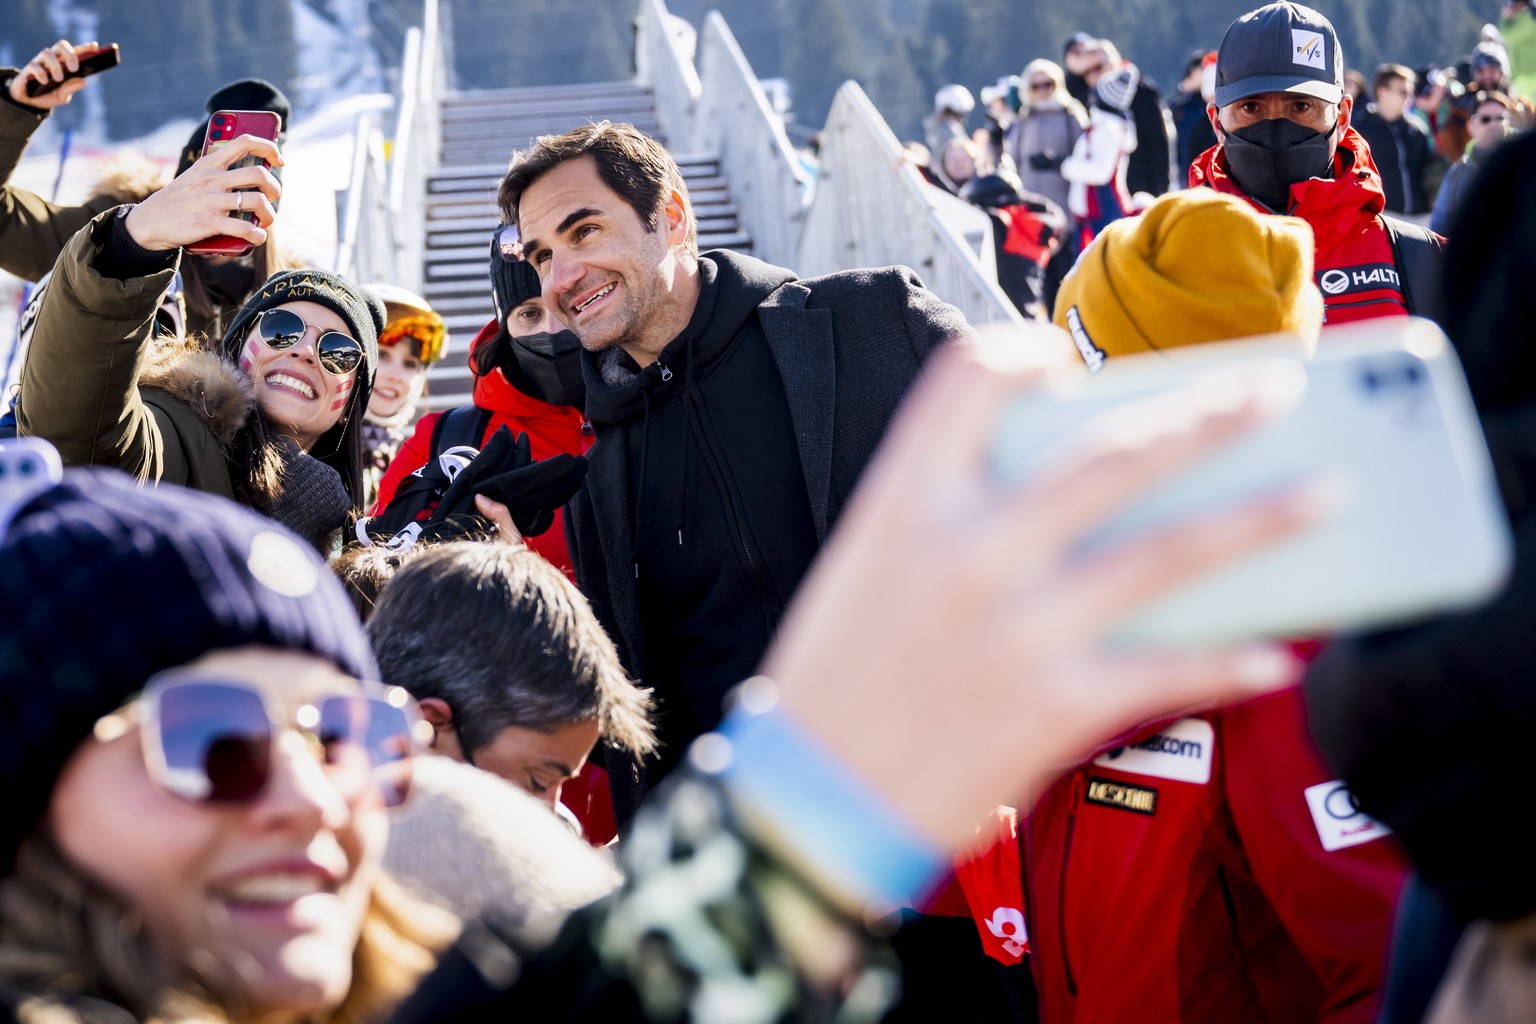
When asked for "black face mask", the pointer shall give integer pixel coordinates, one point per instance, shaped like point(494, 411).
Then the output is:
point(545, 366)
point(1268, 157)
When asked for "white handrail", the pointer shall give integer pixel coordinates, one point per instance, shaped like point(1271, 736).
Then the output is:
point(871, 208)
point(734, 120)
point(352, 200)
point(664, 61)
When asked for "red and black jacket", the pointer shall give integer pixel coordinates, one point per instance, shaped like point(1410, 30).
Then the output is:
point(1207, 870)
point(1367, 265)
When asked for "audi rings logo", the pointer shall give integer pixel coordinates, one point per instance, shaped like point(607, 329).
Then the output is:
point(1341, 804)
point(1334, 282)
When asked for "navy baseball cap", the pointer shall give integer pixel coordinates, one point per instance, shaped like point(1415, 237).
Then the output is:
point(1282, 47)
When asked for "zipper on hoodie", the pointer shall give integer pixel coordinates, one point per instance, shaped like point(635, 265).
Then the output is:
point(1061, 894)
point(768, 598)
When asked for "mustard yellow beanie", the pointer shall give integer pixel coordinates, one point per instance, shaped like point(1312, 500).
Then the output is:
point(1195, 266)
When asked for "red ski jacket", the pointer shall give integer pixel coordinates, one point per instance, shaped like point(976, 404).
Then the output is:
point(1209, 870)
point(551, 429)
point(1355, 267)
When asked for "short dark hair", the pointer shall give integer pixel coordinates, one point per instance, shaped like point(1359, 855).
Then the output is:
point(629, 162)
point(1385, 74)
point(364, 572)
point(504, 639)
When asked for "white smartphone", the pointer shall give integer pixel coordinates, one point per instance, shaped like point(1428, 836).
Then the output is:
point(1385, 413)
point(27, 465)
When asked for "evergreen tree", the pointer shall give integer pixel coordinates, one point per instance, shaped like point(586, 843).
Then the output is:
point(823, 52)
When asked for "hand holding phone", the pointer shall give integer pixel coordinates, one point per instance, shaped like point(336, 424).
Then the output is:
point(199, 204)
point(52, 78)
point(225, 128)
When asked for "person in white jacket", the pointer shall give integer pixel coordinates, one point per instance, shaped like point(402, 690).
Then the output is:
point(1095, 171)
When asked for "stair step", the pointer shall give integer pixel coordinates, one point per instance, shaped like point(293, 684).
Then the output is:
point(466, 326)
point(477, 300)
point(456, 153)
point(688, 163)
point(547, 106)
point(535, 91)
point(519, 132)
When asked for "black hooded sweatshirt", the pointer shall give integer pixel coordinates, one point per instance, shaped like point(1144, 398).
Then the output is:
point(718, 506)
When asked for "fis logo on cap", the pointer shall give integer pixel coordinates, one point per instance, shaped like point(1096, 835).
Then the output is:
point(1308, 50)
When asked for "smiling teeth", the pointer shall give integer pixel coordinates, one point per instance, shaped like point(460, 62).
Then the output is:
point(291, 382)
point(594, 298)
point(276, 889)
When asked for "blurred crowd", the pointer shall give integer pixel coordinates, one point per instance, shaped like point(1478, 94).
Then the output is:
point(707, 664)
point(1078, 143)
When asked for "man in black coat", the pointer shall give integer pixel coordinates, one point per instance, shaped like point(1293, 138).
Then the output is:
point(734, 408)
point(1400, 145)
point(1430, 724)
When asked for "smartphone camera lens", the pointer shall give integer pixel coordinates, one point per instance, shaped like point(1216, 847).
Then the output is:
point(219, 120)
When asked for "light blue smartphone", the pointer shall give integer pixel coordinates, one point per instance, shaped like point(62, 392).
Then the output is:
point(1385, 415)
point(27, 465)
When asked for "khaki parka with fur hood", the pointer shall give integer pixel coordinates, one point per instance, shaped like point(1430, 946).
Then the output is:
point(104, 393)
point(34, 231)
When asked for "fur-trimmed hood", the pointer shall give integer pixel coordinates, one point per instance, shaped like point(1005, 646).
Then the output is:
point(214, 389)
point(130, 178)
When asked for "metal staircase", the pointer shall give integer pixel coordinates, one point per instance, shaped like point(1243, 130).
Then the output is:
point(480, 130)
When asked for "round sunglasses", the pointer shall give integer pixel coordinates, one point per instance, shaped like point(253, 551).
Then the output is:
point(211, 740)
point(281, 329)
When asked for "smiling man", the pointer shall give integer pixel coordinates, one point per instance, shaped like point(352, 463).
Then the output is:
point(734, 407)
point(1285, 143)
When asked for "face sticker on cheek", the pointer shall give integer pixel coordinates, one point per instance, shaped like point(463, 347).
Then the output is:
point(253, 347)
point(343, 392)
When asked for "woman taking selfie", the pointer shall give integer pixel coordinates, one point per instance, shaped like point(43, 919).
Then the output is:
point(270, 414)
point(196, 797)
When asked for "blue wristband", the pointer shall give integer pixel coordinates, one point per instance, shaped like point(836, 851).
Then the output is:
point(840, 829)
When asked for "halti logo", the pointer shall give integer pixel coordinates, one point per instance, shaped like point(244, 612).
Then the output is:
point(1334, 281)
point(1364, 278)
point(1309, 49)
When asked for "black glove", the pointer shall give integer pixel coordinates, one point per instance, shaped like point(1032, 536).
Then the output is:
point(437, 502)
point(506, 472)
point(1045, 161)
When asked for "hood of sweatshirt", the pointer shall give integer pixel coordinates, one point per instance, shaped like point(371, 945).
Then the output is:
point(1335, 207)
point(732, 286)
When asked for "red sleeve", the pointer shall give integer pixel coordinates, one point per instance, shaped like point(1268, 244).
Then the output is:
point(991, 879)
point(413, 454)
point(1331, 874)
point(588, 797)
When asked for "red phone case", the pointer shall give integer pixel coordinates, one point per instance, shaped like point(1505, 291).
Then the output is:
point(224, 127)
